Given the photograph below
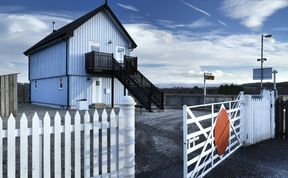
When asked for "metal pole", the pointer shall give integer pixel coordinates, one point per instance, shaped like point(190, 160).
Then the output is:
point(261, 61)
point(204, 84)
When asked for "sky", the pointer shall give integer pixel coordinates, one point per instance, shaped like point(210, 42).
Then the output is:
point(178, 40)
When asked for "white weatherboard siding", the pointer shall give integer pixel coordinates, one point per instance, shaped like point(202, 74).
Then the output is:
point(98, 29)
point(48, 92)
point(82, 89)
point(49, 62)
point(118, 91)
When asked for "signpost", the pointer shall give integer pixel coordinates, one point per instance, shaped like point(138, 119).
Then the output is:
point(207, 76)
point(266, 73)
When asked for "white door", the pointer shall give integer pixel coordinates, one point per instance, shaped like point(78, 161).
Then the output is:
point(97, 90)
point(120, 52)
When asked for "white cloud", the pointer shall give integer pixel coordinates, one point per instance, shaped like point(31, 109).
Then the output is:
point(200, 23)
point(252, 13)
point(18, 32)
point(195, 8)
point(183, 59)
point(164, 56)
point(281, 29)
point(128, 7)
point(31, 24)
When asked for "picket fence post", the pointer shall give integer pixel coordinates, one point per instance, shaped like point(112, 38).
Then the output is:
point(127, 137)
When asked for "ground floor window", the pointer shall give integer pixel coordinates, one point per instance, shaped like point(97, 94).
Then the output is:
point(60, 83)
point(35, 84)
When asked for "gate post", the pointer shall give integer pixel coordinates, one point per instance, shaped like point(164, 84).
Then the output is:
point(272, 112)
point(248, 120)
point(242, 115)
point(127, 137)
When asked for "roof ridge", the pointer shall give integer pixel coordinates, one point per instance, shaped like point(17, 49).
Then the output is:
point(67, 30)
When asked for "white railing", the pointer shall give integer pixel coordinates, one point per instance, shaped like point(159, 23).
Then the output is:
point(200, 154)
point(98, 146)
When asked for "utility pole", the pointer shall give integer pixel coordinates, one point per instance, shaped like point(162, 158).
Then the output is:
point(263, 59)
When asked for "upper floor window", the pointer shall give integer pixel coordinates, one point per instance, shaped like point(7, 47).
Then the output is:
point(120, 52)
point(94, 46)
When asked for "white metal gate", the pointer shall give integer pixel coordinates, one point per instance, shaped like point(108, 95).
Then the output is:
point(200, 155)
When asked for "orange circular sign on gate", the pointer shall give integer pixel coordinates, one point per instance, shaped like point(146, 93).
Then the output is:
point(221, 131)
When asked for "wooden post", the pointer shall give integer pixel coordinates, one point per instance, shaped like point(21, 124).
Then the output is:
point(7, 100)
point(15, 99)
point(286, 119)
point(2, 97)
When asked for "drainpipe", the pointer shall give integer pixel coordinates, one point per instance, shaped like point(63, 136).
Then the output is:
point(67, 74)
point(29, 78)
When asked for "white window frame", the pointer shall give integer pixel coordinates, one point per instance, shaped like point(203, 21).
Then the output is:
point(94, 43)
point(116, 50)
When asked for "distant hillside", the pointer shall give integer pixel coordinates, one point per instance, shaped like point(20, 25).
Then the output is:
point(253, 88)
point(249, 88)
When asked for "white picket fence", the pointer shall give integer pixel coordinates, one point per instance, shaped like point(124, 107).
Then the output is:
point(101, 146)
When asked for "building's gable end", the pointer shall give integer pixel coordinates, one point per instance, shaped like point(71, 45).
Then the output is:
point(98, 29)
point(67, 31)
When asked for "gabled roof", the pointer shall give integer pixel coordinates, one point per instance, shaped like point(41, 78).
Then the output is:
point(67, 31)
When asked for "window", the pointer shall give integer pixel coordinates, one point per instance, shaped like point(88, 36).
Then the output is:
point(120, 52)
point(60, 83)
point(35, 84)
point(94, 46)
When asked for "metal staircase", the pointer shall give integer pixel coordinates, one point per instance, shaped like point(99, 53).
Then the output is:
point(137, 84)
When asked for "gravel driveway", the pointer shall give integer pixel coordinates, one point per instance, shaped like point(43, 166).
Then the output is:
point(159, 152)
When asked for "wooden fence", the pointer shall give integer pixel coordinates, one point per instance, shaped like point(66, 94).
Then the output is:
point(174, 100)
point(91, 146)
point(8, 94)
point(281, 118)
point(23, 92)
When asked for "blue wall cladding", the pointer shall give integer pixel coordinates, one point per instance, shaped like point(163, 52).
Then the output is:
point(49, 62)
point(48, 91)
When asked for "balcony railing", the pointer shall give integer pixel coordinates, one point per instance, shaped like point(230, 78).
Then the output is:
point(98, 61)
point(130, 64)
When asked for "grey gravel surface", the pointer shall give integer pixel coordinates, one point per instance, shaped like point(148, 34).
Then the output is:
point(159, 152)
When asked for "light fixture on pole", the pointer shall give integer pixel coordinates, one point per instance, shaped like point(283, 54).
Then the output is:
point(263, 59)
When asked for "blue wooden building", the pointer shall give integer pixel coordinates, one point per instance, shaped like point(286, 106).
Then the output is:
point(88, 59)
